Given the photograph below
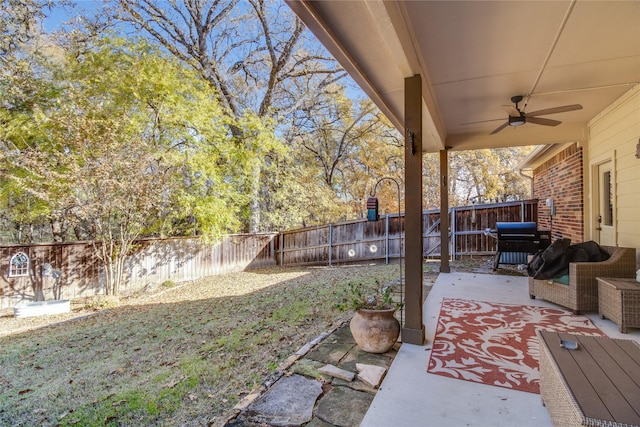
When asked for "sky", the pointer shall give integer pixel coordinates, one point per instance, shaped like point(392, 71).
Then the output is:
point(58, 14)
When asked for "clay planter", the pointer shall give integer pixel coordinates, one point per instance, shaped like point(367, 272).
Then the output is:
point(375, 331)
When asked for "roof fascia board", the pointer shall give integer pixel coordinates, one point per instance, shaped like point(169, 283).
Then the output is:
point(433, 125)
point(305, 11)
point(401, 44)
point(521, 136)
point(541, 154)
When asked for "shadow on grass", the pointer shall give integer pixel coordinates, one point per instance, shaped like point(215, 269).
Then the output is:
point(183, 360)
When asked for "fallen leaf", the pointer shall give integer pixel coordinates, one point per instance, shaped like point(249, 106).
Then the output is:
point(26, 390)
point(173, 383)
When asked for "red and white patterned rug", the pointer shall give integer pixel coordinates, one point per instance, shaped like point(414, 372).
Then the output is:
point(496, 344)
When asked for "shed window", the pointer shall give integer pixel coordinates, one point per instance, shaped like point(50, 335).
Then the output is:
point(19, 265)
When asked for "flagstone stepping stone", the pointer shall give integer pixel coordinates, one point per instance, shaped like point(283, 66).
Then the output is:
point(357, 355)
point(370, 374)
point(330, 352)
point(334, 371)
point(308, 368)
point(288, 402)
point(356, 384)
point(317, 422)
point(341, 336)
point(342, 406)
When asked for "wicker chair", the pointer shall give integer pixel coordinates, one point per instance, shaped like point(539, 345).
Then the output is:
point(582, 292)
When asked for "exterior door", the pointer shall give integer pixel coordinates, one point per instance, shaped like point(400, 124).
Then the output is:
point(605, 226)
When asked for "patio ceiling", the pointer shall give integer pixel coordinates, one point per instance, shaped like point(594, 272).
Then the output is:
point(473, 56)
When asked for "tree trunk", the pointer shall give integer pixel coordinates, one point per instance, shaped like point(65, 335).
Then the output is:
point(254, 215)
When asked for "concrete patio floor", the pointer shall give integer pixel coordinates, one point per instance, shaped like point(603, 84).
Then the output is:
point(409, 396)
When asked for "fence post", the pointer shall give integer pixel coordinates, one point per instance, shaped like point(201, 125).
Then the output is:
point(281, 249)
point(330, 244)
point(386, 238)
point(454, 233)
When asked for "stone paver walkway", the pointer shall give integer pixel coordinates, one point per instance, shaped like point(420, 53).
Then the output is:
point(298, 394)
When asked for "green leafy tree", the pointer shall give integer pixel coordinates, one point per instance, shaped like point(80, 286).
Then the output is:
point(118, 155)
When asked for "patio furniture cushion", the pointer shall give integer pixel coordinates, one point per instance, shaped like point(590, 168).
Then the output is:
point(563, 280)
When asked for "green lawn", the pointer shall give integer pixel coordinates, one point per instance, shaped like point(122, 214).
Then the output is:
point(185, 356)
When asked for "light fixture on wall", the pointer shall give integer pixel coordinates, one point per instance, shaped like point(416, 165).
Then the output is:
point(552, 206)
point(552, 211)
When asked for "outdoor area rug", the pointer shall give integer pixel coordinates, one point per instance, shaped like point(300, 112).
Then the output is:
point(496, 344)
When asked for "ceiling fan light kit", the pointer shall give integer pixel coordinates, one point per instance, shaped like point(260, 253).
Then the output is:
point(516, 121)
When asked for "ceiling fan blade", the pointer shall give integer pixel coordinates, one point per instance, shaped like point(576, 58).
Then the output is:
point(482, 121)
point(499, 128)
point(511, 110)
point(555, 110)
point(542, 121)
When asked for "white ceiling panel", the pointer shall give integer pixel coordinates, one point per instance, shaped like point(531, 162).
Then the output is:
point(475, 55)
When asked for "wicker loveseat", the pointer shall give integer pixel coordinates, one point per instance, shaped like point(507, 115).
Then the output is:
point(581, 294)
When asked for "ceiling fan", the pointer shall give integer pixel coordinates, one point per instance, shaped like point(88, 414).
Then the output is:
point(518, 117)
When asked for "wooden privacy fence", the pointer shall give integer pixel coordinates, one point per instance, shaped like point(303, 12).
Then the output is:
point(79, 274)
point(362, 240)
point(152, 262)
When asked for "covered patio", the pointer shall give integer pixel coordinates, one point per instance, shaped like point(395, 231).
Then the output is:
point(473, 74)
point(465, 75)
point(410, 396)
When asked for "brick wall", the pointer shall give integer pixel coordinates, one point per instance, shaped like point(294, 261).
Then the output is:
point(560, 178)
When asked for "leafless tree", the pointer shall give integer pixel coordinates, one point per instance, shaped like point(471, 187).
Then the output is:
point(256, 53)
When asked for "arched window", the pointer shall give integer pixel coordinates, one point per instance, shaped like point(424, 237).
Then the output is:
point(19, 265)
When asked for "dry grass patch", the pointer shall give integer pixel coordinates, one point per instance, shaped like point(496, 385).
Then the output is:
point(184, 356)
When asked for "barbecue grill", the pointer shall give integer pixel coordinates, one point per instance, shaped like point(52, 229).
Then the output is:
point(516, 240)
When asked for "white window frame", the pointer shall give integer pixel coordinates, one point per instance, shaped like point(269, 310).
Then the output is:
point(19, 265)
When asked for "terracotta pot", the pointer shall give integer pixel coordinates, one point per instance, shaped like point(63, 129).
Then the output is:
point(375, 331)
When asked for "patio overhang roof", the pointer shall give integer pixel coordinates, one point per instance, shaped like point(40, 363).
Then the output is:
point(473, 56)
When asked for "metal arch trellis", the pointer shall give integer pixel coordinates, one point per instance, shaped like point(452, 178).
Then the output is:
point(373, 194)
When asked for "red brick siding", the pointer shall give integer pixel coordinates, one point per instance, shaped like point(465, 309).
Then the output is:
point(561, 179)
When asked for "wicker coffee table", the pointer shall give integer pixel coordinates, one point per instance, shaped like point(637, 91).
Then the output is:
point(619, 301)
point(597, 384)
